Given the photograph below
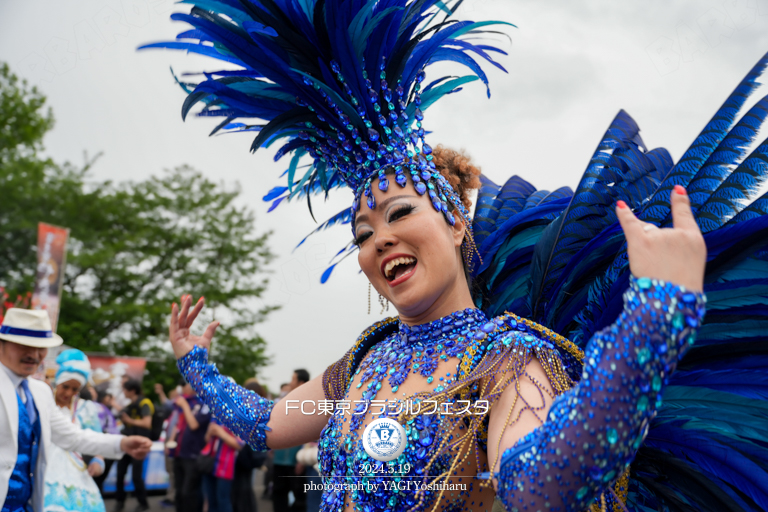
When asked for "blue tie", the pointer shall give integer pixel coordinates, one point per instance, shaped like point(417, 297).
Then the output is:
point(30, 402)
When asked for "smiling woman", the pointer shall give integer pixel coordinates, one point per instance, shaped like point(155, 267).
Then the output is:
point(404, 236)
point(460, 394)
point(69, 484)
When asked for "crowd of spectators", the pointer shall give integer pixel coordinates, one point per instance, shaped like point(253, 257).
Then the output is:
point(208, 466)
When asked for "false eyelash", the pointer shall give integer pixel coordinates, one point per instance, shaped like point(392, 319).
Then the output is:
point(401, 212)
point(362, 238)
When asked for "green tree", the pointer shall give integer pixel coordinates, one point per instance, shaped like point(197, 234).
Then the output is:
point(134, 248)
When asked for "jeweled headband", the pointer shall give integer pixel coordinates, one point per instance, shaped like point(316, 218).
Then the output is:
point(337, 80)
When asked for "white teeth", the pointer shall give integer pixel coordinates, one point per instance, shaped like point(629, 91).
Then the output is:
point(390, 266)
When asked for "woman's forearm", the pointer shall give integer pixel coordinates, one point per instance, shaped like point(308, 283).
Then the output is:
point(244, 412)
point(593, 431)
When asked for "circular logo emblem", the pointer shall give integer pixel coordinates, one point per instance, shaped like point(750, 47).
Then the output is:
point(384, 439)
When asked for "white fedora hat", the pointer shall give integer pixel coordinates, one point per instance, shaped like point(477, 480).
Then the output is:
point(31, 327)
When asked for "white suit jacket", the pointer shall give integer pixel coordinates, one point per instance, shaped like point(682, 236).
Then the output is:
point(54, 428)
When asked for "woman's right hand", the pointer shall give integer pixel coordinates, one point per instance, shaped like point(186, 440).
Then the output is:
point(182, 340)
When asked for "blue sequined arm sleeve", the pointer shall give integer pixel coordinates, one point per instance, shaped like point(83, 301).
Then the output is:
point(593, 431)
point(243, 411)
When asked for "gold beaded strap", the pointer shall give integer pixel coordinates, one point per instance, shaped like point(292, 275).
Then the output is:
point(549, 335)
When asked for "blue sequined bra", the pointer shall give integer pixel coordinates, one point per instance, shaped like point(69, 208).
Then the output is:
point(441, 381)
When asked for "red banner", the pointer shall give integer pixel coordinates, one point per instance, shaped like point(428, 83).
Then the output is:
point(51, 258)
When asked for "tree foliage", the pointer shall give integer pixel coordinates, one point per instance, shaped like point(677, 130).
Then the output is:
point(134, 247)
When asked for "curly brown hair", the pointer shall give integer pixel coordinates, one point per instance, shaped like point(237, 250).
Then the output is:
point(457, 168)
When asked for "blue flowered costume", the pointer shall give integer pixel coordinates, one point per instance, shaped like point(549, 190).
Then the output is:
point(68, 486)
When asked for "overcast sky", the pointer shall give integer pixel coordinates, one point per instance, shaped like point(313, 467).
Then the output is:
point(572, 66)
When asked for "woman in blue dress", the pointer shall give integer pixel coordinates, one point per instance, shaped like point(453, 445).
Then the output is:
point(491, 403)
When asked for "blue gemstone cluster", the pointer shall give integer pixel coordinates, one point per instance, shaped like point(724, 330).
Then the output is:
point(412, 350)
point(418, 350)
point(593, 431)
point(389, 140)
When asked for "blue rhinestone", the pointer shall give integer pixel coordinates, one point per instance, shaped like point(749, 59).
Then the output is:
point(656, 383)
point(644, 283)
point(421, 188)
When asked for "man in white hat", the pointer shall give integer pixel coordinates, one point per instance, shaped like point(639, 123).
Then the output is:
point(29, 419)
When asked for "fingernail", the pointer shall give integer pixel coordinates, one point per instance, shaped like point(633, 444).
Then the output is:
point(680, 190)
point(621, 204)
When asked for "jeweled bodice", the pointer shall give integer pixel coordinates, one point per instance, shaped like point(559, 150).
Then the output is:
point(423, 359)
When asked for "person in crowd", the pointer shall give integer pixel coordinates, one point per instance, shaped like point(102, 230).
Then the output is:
point(69, 484)
point(89, 390)
point(248, 459)
point(168, 404)
point(269, 475)
point(284, 463)
point(137, 420)
point(108, 425)
point(221, 450)
point(30, 423)
point(167, 401)
point(307, 457)
point(191, 427)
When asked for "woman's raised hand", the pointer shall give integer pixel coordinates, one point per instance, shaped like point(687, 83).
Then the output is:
point(182, 340)
point(677, 255)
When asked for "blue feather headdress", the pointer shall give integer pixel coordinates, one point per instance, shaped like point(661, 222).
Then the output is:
point(341, 81)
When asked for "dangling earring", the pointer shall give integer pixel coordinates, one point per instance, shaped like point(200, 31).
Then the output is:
point(384, 303)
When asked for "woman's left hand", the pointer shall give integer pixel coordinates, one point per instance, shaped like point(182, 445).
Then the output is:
point(677, 255)
point(95, 469)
